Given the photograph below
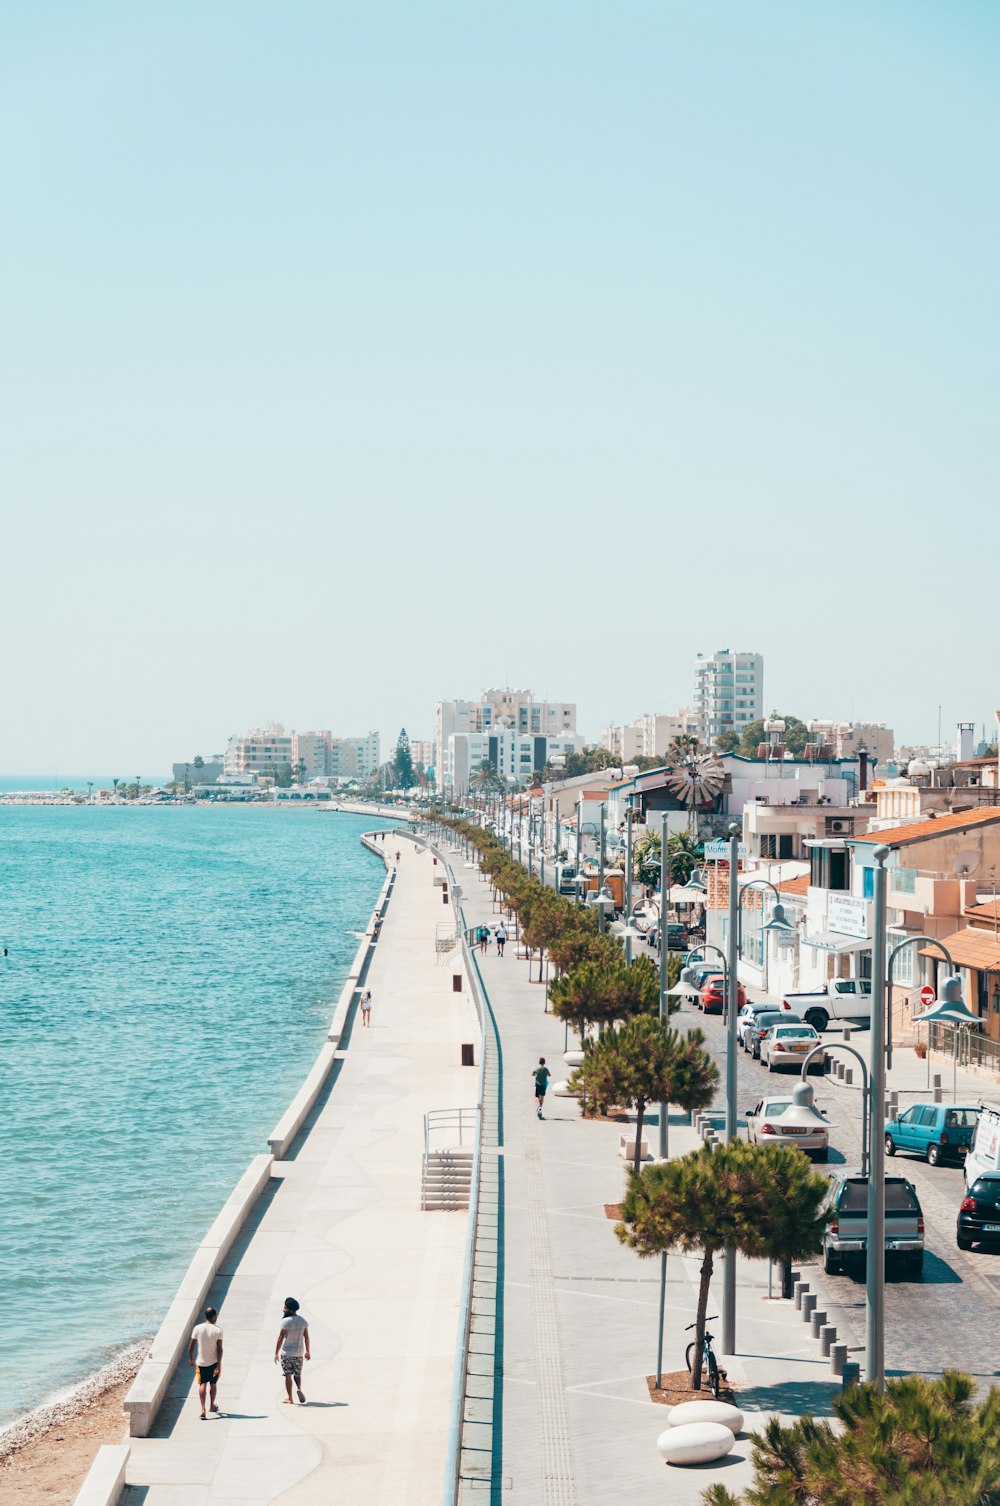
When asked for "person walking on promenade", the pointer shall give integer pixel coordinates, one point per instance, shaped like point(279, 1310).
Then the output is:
point(205, 1353)
point(366, 1008)
point(483, 936)
point(541, 1075)
point(501, 936)
point(397, 855)
point(292, 1347)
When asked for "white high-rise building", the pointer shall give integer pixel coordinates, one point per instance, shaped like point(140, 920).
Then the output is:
point(650, 736)
point(263, 750)
point(728, 693)
point(494, 712)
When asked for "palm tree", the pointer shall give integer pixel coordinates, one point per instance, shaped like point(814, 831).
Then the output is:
point(486, 779)
point(682, 748)
point(684, 854)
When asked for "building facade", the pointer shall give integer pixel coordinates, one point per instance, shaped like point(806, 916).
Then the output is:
point(263, 750)
point(875, 737)
point(650, 736)
point(517, 757)
point(313, 755)
point(496, 712)
point(729, 693)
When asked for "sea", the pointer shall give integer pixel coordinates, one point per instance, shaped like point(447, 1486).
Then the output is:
point(170, 976)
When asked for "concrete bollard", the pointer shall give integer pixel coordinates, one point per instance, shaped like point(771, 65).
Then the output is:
point(892, 1106)
point(838, 1070)
point(838, 1358)
point(848, 1076)
point(818, 1323)
point(851, 1374)
point(808, 1306)
point(847, 1034)
point(827, 1336)
point(799, 1293)
point(937, 1095)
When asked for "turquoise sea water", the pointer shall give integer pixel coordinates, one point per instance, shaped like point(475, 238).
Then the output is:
point(171, 975)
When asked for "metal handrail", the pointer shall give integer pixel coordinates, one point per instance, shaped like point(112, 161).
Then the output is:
point(440, 1119)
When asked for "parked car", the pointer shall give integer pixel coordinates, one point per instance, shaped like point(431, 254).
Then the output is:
point(702, 975)
point(846, 1235)
point(941, 1132)
point(979, 1213)
point(765, 1127)
point(755, 1033)
point(677, 936)
point(841, 999)
point(786, 1045)
point(748, 1016)
point(713, 995)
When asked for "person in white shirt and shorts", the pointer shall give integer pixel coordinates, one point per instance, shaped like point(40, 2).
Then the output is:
point(205, 1353)
point(292, 1348)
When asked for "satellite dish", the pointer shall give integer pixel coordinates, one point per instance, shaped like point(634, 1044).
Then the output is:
point(966, 863)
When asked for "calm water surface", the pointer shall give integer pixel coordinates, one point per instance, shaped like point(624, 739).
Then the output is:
point(171, 976)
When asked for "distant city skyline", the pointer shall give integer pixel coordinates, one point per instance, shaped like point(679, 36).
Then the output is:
point(368, 357)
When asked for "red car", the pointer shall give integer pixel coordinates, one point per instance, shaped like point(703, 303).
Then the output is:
point(713, 995)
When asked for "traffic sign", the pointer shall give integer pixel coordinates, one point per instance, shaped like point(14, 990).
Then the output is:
point(927, 996)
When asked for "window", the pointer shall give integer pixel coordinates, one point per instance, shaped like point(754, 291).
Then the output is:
point(903, 880)
point(902, 967)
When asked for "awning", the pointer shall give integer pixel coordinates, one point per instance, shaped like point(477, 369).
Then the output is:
point(831, 941)
point(681, 895)
point(971, 947)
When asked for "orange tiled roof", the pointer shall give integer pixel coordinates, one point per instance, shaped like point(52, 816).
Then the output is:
point(921, 831)
point(988, 909)
point(798, 885)
point(971, 947)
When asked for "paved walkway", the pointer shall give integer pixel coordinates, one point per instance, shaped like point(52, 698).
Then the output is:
point(378, 1279)
point(580, 1310)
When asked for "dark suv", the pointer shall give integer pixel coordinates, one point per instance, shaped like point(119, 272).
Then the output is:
point(979, 1213)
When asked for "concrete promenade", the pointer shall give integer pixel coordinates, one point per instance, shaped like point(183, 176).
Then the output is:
point(580, 1310)
point(341, 1229)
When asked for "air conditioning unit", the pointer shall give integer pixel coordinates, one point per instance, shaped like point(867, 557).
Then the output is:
point(839, 826)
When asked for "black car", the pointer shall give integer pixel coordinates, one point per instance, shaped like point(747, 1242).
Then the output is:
point(979, 1214)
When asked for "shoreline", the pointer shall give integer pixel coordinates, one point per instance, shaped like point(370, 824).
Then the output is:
point(92, 1410)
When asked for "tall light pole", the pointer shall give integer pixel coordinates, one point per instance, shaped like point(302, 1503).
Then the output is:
point(600, 855)
point(732, 997)
point(579, 847)
point(627, 886)
point(664, 957)
point(875, 1252)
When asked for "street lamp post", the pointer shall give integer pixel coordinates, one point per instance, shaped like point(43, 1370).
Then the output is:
point(908, 941)
point(732, 994)
point(664, 958)
point(627, 886)
point(875, 1263)
point(600, 860)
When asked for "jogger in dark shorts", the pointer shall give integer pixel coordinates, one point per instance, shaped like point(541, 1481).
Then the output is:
point(541, 1075)
point(205, 1353)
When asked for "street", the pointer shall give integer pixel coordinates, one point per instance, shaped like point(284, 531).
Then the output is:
point(945, 1319)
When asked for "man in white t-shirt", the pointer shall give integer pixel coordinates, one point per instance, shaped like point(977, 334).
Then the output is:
point(292, 1346)
point(205, 1353)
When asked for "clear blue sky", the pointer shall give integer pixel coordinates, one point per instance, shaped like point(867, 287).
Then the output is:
point(356, 356)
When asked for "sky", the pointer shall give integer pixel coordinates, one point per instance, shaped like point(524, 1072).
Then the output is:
point(356, 357)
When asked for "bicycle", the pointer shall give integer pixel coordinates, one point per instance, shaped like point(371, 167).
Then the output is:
point(715, 1375)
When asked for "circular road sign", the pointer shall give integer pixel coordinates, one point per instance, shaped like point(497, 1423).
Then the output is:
point(927, 996)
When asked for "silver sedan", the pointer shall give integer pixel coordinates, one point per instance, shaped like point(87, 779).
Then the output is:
point(764, 1127)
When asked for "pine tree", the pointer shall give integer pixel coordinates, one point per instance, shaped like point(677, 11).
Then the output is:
point(644, 1061)
point(762, 1200)
point(402, 762)
point(922, 1443)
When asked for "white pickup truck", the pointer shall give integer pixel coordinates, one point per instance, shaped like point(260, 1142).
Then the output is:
point(841, 999)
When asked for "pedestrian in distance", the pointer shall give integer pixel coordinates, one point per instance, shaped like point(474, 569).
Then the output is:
point(541, 1075)
point(366, 1008)
point(501, 936)
point(205, 1353)
point(483, 937)
point(292, 1348)
point(397, 856)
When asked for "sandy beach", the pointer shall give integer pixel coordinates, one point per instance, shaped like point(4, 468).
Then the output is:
point(46, 1455)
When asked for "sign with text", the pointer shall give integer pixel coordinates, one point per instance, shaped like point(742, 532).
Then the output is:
point(847, 915)
point(716, 852)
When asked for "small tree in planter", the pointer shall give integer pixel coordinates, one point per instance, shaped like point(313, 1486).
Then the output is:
point(761, 1200)
point(644, 1062)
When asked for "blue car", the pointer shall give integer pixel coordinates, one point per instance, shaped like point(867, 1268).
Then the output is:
point(939, 1131)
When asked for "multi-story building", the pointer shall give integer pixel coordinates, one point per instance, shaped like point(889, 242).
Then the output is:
point(422, 752)
point(205, 772)
point(650, 736)
point(314, 755)
point(264, 750)
point(516, 756)
point(878, 740)
point(729, 693)
point(498, 711)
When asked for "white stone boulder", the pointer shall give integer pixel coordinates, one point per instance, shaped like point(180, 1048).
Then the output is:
point(706, 1411)
point(695, 1442)
point(563, 1090)
point(573, 1058)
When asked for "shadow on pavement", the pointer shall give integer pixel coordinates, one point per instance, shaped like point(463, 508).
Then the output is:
point(796, 1397)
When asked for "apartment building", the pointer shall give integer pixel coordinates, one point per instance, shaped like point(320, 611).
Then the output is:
point(263, 750)
point(729, 693)
point(875, 737)
point(649, 736)
point(515, 756)
point(495, 712)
